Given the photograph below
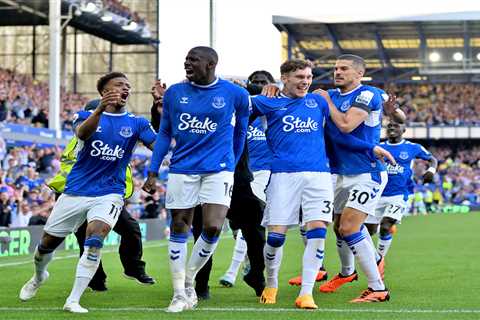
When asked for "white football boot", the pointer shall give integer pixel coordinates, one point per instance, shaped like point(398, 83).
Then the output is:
point(29, 289)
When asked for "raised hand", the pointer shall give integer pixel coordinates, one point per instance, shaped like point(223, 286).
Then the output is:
point(158, 91)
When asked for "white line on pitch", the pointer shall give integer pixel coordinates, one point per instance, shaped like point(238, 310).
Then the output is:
point(134, 309)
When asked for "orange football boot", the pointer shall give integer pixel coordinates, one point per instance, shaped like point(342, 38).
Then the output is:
point(322, 275)
point(337, 282)
point(371, 295)
point(305, 302)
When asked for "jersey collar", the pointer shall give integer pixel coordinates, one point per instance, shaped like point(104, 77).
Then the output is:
point(346, 93)
point(114, 114)
point(206, 85)
point(396, 144)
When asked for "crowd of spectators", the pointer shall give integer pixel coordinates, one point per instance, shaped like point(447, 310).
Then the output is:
point(24, 100)
point(439, 104)
point(458, 178)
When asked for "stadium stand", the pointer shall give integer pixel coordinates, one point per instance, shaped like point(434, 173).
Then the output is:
point(24, 100)
point(439, 104)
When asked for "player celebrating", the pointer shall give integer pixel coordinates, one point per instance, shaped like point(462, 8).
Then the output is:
point(95, 186)
point(393, 202)
point(355, 109)
point(300, 175)
point(208, 118)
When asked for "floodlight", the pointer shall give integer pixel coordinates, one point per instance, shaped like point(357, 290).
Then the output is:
point(457, 56)
point(434, 56)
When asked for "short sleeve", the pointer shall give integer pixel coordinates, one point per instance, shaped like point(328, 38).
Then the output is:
point(146, 132)
point(367, 100)
point(79, 117)
point(422, 153)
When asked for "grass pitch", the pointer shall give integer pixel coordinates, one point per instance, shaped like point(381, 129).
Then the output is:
point(431, 271)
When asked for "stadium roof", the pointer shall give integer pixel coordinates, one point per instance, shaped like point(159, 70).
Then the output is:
point(35, 12)
point(434, 46)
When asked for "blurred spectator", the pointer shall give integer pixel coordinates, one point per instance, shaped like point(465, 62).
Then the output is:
point(6, 208)
point(439, 104)
point(458, 178)
point(24, 100)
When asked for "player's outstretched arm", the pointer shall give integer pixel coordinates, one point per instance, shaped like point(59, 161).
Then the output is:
point(346, 122)
point(88, 127)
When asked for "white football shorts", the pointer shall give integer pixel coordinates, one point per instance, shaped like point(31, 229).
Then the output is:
point(288, 191)
point(259, 183)
point(186, 191)
point(361, 192)
point(70, 212)
point(393, 207)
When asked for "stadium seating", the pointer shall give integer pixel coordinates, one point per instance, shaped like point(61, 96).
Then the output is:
point(439, 104)
point(24, 100)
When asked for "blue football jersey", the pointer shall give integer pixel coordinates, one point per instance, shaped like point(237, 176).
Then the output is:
point(209, 125)
point(102, 159)
point(400, 175)
point(295, 132)
point(347, 161)
point(260, 156)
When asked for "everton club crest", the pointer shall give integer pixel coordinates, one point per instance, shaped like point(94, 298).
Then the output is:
point(126, 132)
point(218, 102)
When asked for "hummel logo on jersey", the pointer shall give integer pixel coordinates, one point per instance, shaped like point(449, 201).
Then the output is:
point(254, 133)
point(374, 193)
point(99, 129)
point(194, 125)
point(300, 126)
point(105, 152)
point(184, 100)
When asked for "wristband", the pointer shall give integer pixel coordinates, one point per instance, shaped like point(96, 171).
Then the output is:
point(432, 170)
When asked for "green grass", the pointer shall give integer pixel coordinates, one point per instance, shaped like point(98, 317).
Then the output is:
point(431, 272)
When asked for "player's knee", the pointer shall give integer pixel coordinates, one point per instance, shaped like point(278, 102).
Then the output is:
point(179, 226)
point(97, 227)
point(212, 231)
point(344, 230)
point(275, 239)
point(48, 244)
